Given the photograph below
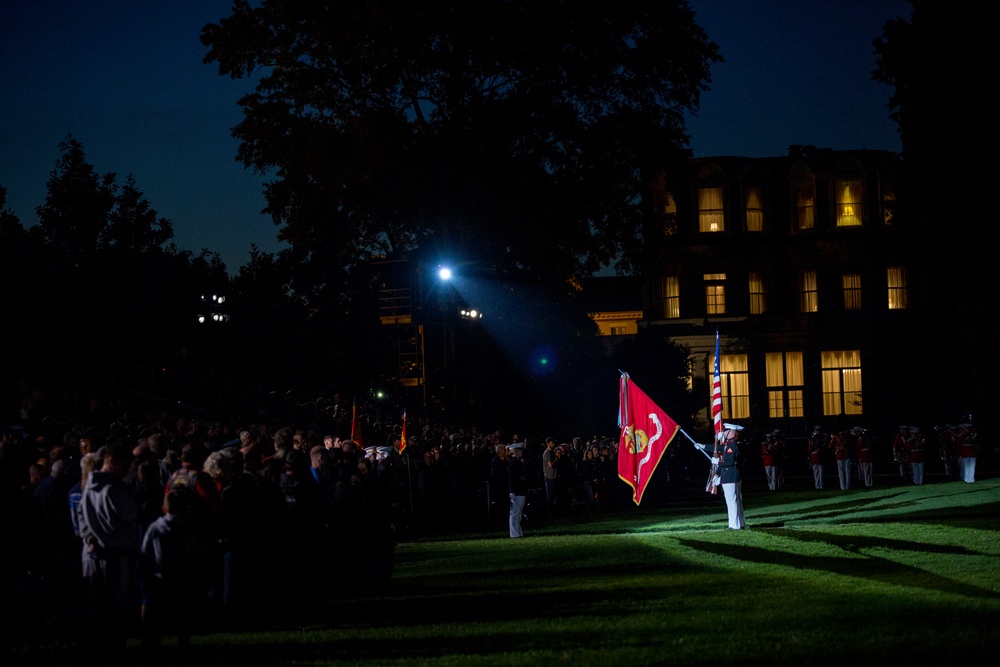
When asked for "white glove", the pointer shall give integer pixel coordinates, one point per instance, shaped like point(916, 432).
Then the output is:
point(699, 446)
point(717, 480)
point(512, 496)
point(715, 460)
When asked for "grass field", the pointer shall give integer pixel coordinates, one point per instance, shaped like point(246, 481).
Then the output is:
point(883, 576)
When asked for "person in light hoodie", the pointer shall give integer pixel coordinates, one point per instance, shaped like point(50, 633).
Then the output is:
point(109, 529)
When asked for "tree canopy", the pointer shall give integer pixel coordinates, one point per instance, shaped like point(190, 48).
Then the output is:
point(97, 290)
point(515, 130)
point(937, 62)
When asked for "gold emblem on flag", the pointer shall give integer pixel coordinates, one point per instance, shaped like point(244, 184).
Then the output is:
point(636, 440)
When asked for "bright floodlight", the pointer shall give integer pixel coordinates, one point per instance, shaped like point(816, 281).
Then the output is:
point(444, 273)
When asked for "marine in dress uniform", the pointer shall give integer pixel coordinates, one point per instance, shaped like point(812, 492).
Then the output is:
point(819, 441)
point(866, 455)
point(901, 451)
point(845, 457)
point(916, 451)
point(770, 452)
point(729, 473)
point(968, 449)
point(946, 448)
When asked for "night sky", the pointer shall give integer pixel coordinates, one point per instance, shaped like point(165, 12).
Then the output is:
point(126, 79)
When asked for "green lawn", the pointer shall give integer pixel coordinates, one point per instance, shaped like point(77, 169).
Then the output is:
point(878, 576)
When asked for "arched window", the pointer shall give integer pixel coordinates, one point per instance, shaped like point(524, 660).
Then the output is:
point(754, 181)
point(802, 182)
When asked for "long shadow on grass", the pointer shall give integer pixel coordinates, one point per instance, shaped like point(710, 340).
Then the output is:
point(868, 567)
point(913, 503)
point(485, 614)
point(829, 510)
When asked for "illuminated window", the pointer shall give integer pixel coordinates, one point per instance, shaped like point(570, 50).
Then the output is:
point(841, 382)
point(852, 291)
point(898, 298)
point(735, 379)
point(755, 210)
point(618, 331)
point(848, 192)
point(784, 384)
point(715, 293)
point(710, 210)
point(670, 296)
point(808, 294)
point(758, 302)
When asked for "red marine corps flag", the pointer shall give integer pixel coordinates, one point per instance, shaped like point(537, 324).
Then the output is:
point(646, 430)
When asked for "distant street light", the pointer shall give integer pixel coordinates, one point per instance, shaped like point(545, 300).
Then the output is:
point(214, 303)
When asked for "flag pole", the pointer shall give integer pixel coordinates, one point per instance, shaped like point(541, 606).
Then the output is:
point(697, 445)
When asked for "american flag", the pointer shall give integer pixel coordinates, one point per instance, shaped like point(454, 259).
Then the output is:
point(711, 485)
point(717, 392)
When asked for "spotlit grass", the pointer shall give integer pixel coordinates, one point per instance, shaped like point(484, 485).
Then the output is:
point(905, 574)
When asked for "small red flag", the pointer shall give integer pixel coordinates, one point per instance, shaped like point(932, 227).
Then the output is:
point(646, 430)
point(356, 427)
point(402, 437)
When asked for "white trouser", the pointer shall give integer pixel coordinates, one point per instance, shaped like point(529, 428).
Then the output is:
point(967, 468)
point(734, 503)
point(844, 473)
point(516, 509)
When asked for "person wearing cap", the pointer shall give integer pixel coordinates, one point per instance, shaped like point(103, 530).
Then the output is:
point(770, 452)
point(844, 456)
point(866, 455)
point(517, 486)
point(819, 442)
point(901, 451)
point(916, 455)
point(968, 450)
point(946, 449)
point(729, 473)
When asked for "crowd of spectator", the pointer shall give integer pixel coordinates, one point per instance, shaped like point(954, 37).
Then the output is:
point(264, 501)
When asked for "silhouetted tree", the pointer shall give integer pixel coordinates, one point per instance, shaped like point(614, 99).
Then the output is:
point(518, 131)
point(104, 294)
point(78, 204)
point(938, 62)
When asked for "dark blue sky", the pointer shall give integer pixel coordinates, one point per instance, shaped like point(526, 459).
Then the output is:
point(126, 79)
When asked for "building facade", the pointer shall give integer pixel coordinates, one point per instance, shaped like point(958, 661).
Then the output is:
point(815, 286)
